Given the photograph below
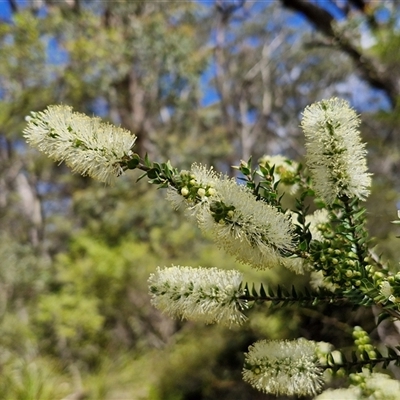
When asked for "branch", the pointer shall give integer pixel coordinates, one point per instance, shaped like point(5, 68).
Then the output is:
point(318, 16)
point(285, 297)
point(373, 72)
point(13, 6)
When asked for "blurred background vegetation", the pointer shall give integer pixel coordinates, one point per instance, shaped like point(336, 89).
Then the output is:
point(212, 82)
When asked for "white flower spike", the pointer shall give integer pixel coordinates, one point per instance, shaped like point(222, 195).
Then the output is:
point(335, 154)
point(250, 230)
point(87, 145)
point(283, 367)
point(209, 295)
point(352, 393)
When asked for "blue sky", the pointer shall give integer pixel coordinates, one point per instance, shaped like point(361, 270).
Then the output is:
point(5, 11)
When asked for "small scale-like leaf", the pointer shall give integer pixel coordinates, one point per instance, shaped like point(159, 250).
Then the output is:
point(360, 213)
point(303, 246)
point(382, 317)
point(285, 292)
point(271, 293)
point(365, 355)
point(133, 162)
point(392, 353)
point(330, 360)
point(169, 166)
point(264, 171)
point(157, 166)
point(254, 291)
point(147, 162)
point(244, 170)
point(262, 291)
point(152, 173)
point(141, 177)
point(361, 241)
point(378, 354)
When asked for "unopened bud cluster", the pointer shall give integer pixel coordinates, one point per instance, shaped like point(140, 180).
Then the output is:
point(363, 343)
point(252, 230)
point(196, 191)
point(192, 190)
point(338, 262)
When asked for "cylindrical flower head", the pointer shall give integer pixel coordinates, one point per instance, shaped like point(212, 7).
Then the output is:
point(375, 385)
point(352, 393)
point(335, 155)
point(87, 145)
point(252, 231)
point(209, 295)
point(283, 367)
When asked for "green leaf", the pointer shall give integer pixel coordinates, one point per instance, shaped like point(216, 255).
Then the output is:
point(133, 162)
point(152, 174)
point(271, 292)
point(147, 162)
point(382, 317)
point(360, 213)
point(141, 177)
point(262, 291)
point(354, 357)
point(303, 246)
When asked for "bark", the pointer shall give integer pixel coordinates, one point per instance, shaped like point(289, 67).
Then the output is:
point(31, 207)
point(130, 108)
point(13, 6)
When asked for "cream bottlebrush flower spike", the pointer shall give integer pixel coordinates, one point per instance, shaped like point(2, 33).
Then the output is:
point(87, 145)
point(352, 393)
point(284, 367)
point(250, 230)
point(335, 154)
point(376, 386)
point(209, 295)
point(366, 385)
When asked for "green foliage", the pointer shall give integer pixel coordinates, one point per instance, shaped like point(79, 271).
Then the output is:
point(36, 378)
point(90, 283)
point(284, 297)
